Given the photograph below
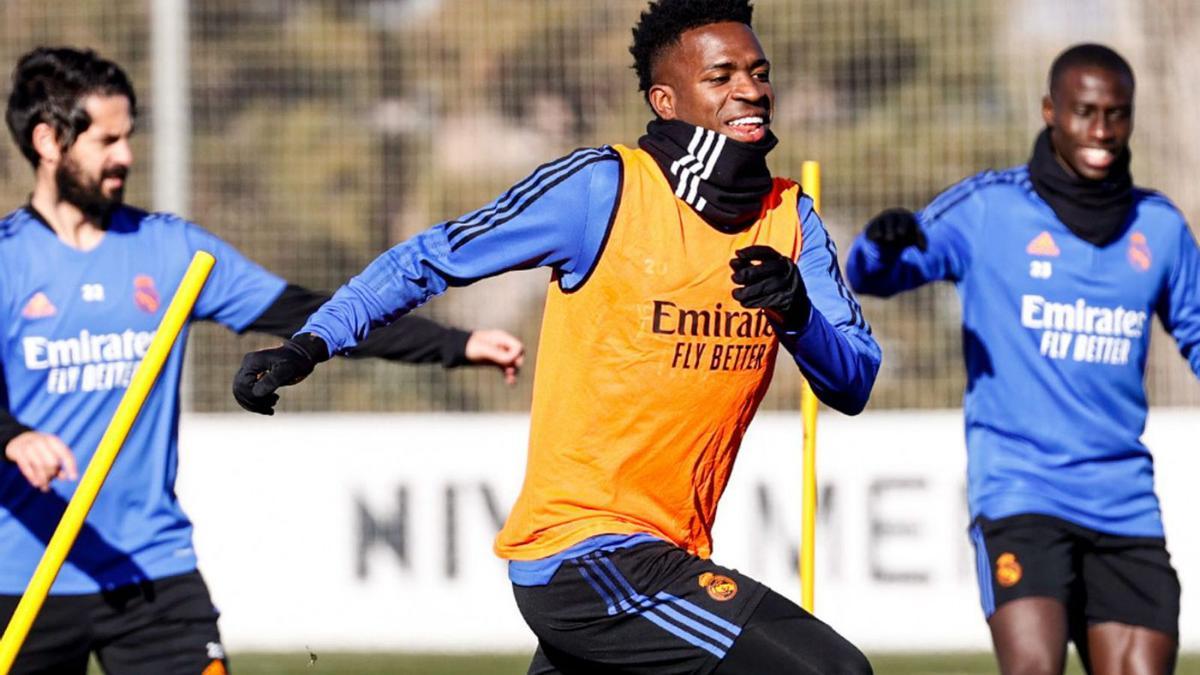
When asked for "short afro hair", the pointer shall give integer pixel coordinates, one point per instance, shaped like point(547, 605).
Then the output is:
point(664, 21)
point(1088, 55)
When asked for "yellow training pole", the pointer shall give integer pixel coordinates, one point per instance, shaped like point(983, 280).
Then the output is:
point(97, 470)
point(810, 181)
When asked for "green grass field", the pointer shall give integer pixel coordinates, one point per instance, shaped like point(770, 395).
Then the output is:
point(342, 663)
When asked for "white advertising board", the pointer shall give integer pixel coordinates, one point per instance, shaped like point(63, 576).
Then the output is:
point(374, 532)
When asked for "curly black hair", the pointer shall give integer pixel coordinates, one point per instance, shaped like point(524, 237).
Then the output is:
point(50, 84)
point(664, 21)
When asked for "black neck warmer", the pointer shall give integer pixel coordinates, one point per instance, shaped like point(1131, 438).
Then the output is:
point(1095, 210)
point(724, 180)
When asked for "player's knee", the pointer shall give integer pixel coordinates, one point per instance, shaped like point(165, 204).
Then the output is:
point(1031, 662)
point(838, 656)
point(843, 659)
point(853, 662)
point(782, 638)
point(794, 654)
point(1031, 668)
point(1031, 657)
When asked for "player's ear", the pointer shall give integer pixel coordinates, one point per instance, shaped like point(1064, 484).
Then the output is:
point(45, 143)
point(662, 101)
point(1048, 110)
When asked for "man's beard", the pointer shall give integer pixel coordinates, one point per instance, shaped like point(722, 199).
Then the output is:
point(88, 196)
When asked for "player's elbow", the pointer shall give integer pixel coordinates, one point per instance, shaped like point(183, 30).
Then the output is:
point(849, 401)
point(847, 405)
point(854, 408)
point(852, 396)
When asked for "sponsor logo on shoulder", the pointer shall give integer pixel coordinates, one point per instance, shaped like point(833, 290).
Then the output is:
point(719, 586)
point(1043, 244)
point(1139, 252)
point(39, 307)
point(1008, 570)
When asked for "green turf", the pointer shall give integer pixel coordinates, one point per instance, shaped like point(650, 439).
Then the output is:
point(377, 664)
point(345, 663)
point(362, 664)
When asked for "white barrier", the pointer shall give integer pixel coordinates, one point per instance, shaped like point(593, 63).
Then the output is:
point(374, 532)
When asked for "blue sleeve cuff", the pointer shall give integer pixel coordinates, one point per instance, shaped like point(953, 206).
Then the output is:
point(840, 368)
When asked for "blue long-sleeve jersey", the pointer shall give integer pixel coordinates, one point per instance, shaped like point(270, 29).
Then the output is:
point(1055, 335)
point(558, 217)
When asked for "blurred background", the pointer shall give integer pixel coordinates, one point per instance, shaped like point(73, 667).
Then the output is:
point(322, 132)
point(313, 134)
point(319, 132)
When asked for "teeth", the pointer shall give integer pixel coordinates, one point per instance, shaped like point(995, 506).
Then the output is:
point(746, 121)
point(1096, 155)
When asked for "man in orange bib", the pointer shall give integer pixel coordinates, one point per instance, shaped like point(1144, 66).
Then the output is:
point(652, 362)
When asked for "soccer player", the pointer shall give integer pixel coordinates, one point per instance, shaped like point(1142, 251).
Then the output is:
point(678, 267)
point(83, 284)
point(1060, 264)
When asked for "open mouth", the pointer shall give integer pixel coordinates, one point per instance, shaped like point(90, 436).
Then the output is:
point(113, 178)
point(1097, 158)
point(112, 186)
point(748, 129)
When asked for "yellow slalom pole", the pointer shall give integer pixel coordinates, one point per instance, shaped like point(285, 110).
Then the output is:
point(810, 181)
point(97, 470)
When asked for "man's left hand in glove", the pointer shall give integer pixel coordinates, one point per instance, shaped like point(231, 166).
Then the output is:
point(770, 280)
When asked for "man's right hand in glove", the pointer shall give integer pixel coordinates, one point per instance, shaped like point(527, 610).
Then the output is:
point(895, 230)
point(264, 371)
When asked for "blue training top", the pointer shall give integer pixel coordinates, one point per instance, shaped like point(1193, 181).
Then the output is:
point(75, 325)
point(1055, 337)
point(558, 217)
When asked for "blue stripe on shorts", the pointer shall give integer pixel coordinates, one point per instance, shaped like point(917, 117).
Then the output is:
point(683, 619)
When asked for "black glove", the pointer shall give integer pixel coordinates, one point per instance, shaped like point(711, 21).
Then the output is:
point(895, 230)
point(770, 280)
point(264, 371)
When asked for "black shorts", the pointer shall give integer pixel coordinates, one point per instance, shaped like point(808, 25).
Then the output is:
point(1098, 577)
point(162, 627)
point(654, 608)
